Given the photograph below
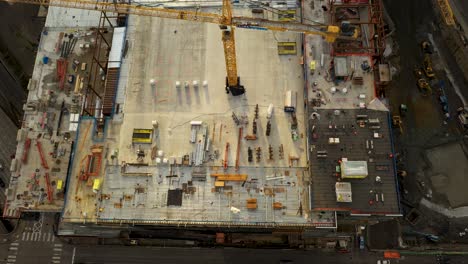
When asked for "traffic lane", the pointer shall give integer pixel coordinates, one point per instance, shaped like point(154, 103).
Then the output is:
point(122, 254)
point(112, 254)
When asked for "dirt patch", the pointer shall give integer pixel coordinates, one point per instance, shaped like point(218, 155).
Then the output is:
point(448, 168)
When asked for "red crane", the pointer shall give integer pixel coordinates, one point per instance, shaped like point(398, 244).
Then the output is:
point(41, 154)
point(226, 154)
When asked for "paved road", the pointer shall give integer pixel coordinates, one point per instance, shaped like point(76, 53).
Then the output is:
point(58, 253)
point(32, 242)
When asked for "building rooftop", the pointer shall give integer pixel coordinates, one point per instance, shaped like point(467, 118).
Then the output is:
point(186, 107)
point(364, 136)
point(152, 137)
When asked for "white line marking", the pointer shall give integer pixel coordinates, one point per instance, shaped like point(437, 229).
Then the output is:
point(22, 237)
point(13, 248)
point(57, 249)
point(57, 245)
point(53, 238)
point(11, 256)
point(27, 236)
point(14, 244)
point(73, 256)
point(11, 260)
point(57, 253)
point(56, 257)
point(56, 261)
point(49, 236)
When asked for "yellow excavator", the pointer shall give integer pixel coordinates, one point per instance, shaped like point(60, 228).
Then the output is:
point(427, 66)
point(226, 21)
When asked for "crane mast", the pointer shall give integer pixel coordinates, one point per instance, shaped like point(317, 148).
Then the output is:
point(232, 80)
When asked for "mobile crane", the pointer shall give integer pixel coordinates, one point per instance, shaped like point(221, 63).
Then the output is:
point(226, 22)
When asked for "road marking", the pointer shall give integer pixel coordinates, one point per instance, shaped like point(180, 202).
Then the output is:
point(56, 257)
point(57, 245)
point(11, 260)
point(27, 236)
point(49, 236)
point(57, 249)
point(14, 244)
point(13, 248)
point(11, 256)
point(73, 256)
point(53, 238)
point(22, 237)
point(56, 261)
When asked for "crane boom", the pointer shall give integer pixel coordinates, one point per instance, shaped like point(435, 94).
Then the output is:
point(226, 21)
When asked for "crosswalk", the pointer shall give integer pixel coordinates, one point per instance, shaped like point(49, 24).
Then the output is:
point(13, 252)
point(38, 236)
point(57, 254)
point(14, 248)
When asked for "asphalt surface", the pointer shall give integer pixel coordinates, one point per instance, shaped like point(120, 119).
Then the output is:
point(57, 253)
point(24, 248)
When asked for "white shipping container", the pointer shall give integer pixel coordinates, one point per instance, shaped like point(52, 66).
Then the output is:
point(290, 101)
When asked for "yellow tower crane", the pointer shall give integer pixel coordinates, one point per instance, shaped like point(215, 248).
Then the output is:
point(226, 22)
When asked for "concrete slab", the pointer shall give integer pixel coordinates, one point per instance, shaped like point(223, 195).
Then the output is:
point(171, 51)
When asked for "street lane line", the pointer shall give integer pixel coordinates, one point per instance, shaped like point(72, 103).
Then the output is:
point(73, 256)
point(55, 261)
point(13, 248)
point(14, 244)
point(11, 256)
point(56, 257)
point(22, 237)
point(57, 245)
point(57, 249)
point(27, 236)
point(11, 260)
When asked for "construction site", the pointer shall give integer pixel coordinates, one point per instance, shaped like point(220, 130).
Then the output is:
point(156, 116)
